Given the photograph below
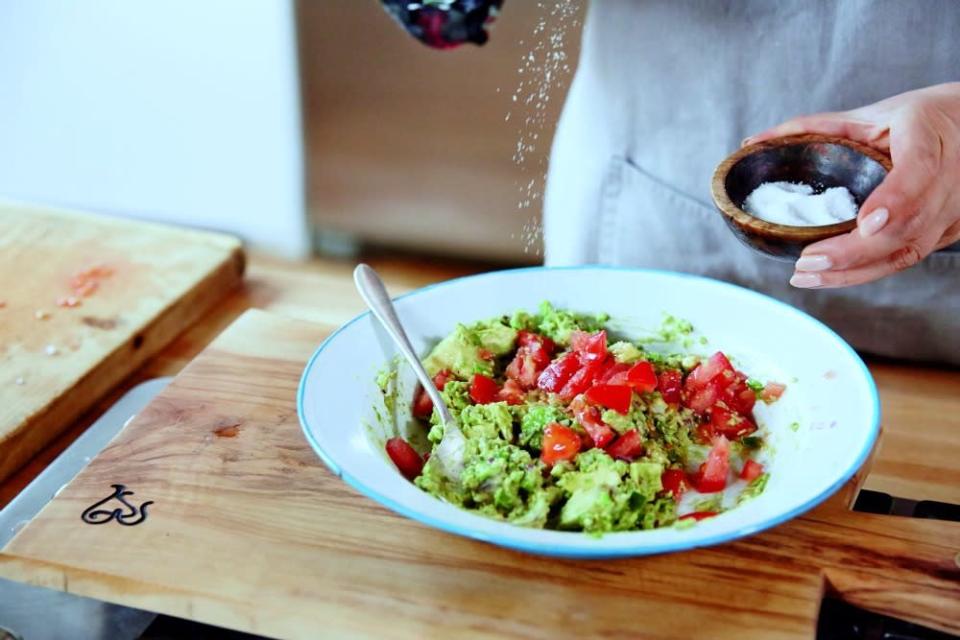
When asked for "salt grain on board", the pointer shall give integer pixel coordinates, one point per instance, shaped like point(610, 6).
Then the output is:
point(40, 314)
point(51, 350)
point(542, 70)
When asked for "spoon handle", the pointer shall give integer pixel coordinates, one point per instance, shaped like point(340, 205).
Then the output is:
point(374, 293)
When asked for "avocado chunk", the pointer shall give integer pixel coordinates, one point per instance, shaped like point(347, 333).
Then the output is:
point(459, 353)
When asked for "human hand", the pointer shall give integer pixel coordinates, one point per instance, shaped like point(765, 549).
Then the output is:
point(914, 211)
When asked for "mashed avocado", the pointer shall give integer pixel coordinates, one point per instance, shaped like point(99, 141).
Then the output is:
point(510, 467)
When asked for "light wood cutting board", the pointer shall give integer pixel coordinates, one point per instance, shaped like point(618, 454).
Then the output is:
point(249, 530)
point(55, 361)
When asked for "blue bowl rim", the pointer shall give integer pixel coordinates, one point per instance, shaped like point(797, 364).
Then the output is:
point(599, 552)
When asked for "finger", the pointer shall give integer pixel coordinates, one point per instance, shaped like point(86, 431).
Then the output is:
point(896, 215)
point(840, 124)
point(899, 260)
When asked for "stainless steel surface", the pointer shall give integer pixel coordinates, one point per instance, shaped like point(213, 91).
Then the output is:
point(35, 613)
point(374, 293)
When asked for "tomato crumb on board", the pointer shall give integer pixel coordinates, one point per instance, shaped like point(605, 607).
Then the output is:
point(85, 282)
point(69, 302)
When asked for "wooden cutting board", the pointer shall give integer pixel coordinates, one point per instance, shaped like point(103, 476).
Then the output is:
point(247, 529)
point(84, 300)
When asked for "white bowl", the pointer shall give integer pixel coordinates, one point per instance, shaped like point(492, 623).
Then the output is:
point(830, 394)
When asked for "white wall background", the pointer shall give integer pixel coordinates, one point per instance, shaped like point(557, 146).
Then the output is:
point(185, 111)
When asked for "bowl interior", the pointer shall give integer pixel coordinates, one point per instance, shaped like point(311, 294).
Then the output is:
point(820, 432)
point(822, 165)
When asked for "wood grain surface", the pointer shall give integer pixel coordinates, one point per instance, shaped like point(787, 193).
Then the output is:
point(250, 531)
point(56, 362)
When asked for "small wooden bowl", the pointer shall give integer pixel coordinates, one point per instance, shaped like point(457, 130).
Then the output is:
point(818, 160)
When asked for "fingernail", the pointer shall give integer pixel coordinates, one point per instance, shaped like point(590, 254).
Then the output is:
point(746, 141)
point(872, 223)
point(814, 262)
point(806, 280)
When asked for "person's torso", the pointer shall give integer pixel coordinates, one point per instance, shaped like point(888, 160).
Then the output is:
point(668, 88)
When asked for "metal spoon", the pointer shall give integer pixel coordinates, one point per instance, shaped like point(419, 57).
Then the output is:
point(450, 450)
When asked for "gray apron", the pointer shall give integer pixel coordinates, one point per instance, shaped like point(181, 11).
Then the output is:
point(665, 89)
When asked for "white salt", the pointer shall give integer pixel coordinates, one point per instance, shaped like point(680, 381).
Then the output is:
point(797, 205)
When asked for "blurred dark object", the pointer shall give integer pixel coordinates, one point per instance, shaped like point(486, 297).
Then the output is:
point(882, 503)
point(841, 621)
point(170, 628)
point(444, 24)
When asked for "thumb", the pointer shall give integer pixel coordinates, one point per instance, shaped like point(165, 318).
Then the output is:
point(841, 124)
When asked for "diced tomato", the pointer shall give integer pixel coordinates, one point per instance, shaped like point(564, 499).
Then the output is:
point(670, 384)
point(581, 380)
point(729, 423)
point(486, 354)
point(422, 404)
point(738, 396)
point(614, 371)
point(543, 343)
point(559, 443)
point(512, 392)
point(589, 418)
point(772, 392)
point(523, 369)
point(611, 397)
point(627, 447)
point(406, 458)
point(708, 371)
point(712, 476)
point(483, 389)
point(558, 373)
point(674, 481)
point(642, 377)
point(533, 355)
point(751, 470)
point(702, 398)
point(590, 347)
point(697, 515)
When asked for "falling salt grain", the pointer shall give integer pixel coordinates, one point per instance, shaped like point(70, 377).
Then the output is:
point(20, 381)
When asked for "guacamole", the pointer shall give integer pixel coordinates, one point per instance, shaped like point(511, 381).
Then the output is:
point(570, 427)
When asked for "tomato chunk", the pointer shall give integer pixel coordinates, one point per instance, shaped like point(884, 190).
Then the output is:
point(483, 389)
point(406, 458)
point(581, 380)
point(751, 470)
point(615, 371)
point(712, 476)
point(559, 443)
point(716, 368)
point(670, 384)
point(589, 418)
point(558, 373)
point(738, 396)
point(512, 392)
point(611, 397)
point(627, 447)
point(674, 482)
point(698, 515)
point(642, 377)
point(533, 355)
point(702, 398)
point(538, 341)
point(729, 423)
point(772, 392)
point(590, 347)
point(422, 404)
